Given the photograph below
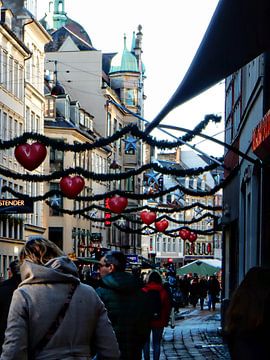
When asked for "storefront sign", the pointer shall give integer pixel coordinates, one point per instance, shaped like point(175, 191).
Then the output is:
point(261, 137)
point(132, 258)
point(16, 206)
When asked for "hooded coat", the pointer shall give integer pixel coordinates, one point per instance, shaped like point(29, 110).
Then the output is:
point(165, 303)
point(36, 304)
point(128, 311)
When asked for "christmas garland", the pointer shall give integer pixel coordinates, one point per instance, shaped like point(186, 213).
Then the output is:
point(108, 177)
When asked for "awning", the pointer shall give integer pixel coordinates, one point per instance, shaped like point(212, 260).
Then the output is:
point(238, 32)
point(201, 267)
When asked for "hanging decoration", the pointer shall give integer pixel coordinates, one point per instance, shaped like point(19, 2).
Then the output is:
point(192, 237)
point(55, 201)
point(148, 217)
point(30, 156)
point(184, 233)
point(72, 186)
point(122, 222)
point(117, 204)
point(130, 144)
point(162, 225)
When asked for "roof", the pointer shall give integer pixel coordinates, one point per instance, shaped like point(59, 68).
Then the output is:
point(59, 36)
point(124, 62)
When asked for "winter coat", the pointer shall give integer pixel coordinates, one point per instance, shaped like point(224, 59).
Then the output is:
point(202, 288)
point(7, 288)
point(127, 310)
point(213, 287)
point(165, 303)
point(36, 304)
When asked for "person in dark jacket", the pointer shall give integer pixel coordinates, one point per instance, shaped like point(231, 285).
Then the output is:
point(202, 290)
point(7, 288)
point(248, 315)
point(126, 304)
point(213, 292)
point(157, 325)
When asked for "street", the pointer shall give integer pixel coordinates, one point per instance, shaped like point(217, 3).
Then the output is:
point(196, 336)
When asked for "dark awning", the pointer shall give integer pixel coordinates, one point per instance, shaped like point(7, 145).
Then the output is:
point(238, 32)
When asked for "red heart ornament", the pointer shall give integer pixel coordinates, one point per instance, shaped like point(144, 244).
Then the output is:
point(162, 225)
point(192, 237)
point(30, 156)
point(184, 234)
point(148, 217)
point(117, 204)
point(71, 186)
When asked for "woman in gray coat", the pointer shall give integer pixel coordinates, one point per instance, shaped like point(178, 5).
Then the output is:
point(48, 280)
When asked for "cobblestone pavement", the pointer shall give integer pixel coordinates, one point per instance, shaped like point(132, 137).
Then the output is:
point(196, 336)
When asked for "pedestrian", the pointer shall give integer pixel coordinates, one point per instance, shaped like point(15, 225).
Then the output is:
point(126, 303)
point(213, 292)
point(160, 317)
point(194, 291)
point(52, 314)
point(248, 315)
point(7, 288)
point(202, 290)
point(184, 285)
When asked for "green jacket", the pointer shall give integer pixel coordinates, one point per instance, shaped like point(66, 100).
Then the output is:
point(128, 311)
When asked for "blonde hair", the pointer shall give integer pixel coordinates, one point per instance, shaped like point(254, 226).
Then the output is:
point(39, 250)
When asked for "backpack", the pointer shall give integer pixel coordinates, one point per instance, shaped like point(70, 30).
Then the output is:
point(155, 305)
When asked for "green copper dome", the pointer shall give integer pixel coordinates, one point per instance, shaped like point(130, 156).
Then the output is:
point(125, 62)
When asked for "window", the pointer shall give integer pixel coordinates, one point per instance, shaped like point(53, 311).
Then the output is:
point(164, 245)
point(10, 75)
point(5, 68)
point(119, 142)
point(16, 78)
point(158, 245)
point(109, 117)
point(5, 128)
point(169, 248)
point(21, 82)
point(50, 108)
point(56, 200)
point(56, 160)
point(1, 65)
point(130, 182)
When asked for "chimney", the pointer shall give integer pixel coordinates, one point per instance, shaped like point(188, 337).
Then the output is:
point(6, 17)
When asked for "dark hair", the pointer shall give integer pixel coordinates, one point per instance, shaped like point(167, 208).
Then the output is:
point(155, 277)
point(117, 258)
point(39, 250)
point(249, 302)
point(14, 267)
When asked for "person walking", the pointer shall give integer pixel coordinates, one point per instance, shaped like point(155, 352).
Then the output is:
point(194, 291)
point(52, 314)
point(213, 292)
point(160, 317)
point(248, 315)
point(202, 290)
point(7, 288)
point(126, 304)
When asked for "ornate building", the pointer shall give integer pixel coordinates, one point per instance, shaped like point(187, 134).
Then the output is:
point(103, 84)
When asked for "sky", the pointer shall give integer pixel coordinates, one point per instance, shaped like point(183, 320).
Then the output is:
point(172, 32)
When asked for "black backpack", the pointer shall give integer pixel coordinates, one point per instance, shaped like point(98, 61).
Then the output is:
point(155, 305)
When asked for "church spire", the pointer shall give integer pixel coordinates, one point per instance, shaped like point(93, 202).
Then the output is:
point(59, 14)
